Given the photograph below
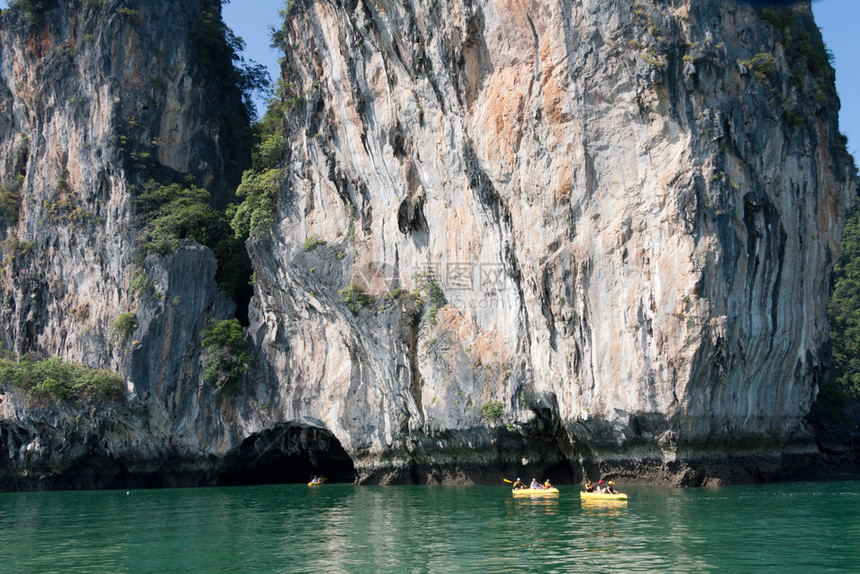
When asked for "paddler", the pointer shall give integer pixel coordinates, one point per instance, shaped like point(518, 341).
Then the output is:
point(546, 484)
point(611, 488)
point(519, 485)
point(589, 487)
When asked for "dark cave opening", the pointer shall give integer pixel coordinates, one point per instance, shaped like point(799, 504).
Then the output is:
point(287, 454)
point(242, 294)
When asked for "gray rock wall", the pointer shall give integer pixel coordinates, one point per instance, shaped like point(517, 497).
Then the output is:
point(631, 209)
point(561, 237)
point(97, 98)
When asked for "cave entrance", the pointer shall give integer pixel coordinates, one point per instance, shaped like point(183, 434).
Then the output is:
point(288, 453)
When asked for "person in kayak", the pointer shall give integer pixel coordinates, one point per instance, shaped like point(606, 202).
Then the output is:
point(546, 484)
point(519, 485)
point(535, 485)
point(611, 488)
point(589, 486)
point(600, 488)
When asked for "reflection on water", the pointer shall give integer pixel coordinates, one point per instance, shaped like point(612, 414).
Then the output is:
point(535, 504)
point(340, 528)
point(607, 508)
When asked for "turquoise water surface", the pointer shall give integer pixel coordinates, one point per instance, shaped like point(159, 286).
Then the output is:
point(789, 527)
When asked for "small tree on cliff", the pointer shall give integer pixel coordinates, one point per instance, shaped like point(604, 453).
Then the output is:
point(492, 412)
point(34, 9)
point(225, 354)
point(174, 212)
point(260, 186)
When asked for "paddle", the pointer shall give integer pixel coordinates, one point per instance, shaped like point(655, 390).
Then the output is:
point(506, 480)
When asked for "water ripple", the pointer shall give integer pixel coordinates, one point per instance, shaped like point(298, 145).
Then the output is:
point(796, 527)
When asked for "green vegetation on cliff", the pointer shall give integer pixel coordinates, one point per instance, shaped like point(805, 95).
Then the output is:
point(124, 326)
point(63, 380)
point(355, 297)
point(226, 355)
point(33, 9)
point(169, 204)
point(254, 216)
point(804, 49)
point(811, 73)
point(492, 412)
point(174, 212)
point(10, 201)
point(431, 294)
point(843, 313)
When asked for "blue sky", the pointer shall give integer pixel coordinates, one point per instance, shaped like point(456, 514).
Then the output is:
point(838, 20)
point(251, 20)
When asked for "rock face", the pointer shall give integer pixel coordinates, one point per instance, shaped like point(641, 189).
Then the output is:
point(558, 237)
point(631, 210)
point(96, 97)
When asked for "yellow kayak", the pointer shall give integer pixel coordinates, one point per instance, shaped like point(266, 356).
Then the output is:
point(602, 496)
point(536, 492)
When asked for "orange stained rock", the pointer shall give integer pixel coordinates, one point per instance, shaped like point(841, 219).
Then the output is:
point(563, 188)
point(553, 98)
point(490, 348)
point(502, 115)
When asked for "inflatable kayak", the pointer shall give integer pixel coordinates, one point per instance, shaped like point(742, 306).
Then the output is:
point(536, 492)
point(602, 496)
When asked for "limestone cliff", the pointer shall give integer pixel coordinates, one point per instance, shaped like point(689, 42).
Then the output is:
point(96, 98)
point(511, 236)
point(628, 212)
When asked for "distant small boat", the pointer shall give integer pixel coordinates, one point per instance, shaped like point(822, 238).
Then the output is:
point(536, 492)
point(602, 496)
point(317, 482)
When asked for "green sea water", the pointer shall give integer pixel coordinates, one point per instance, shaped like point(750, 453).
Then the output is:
point(789, 527)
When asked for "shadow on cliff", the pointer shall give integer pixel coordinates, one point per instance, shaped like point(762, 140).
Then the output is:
point(835, 420)
point(284, 454)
